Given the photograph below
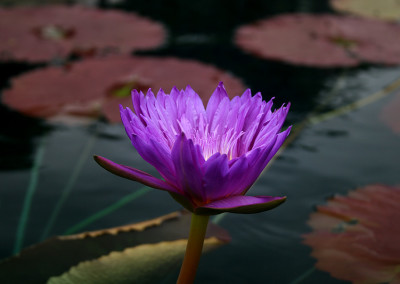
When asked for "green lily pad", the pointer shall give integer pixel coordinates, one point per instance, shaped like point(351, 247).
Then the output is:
point(145, 251)
point(378, 9)
point(140, 264)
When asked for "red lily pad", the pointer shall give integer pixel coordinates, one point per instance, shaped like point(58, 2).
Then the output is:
point(39, 34)
point(96, 87)
point(322, 40)
point(390, 114)
point(382, 9)
point(356, 237)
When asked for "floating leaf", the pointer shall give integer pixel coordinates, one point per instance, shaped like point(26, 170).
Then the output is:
point(356, 237)
point(97, 86)
point(390, 114)
point(44, 33)
point(322, 40)
point(141, 264)
point(381, 9)
point(149, 250)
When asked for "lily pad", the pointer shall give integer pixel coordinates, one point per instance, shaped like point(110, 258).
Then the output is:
point(381, 9)
point(355, 237)
point(96, 87)
point(141, 264)
point(390, 114)
point(322, 40)
point(140, 253)
point(39, 34)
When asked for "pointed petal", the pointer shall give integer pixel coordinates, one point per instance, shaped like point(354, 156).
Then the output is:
point(237, 179)
point(129, 120)
point(187, 160)
point(134, 174)
point(194, 99)
point(240, 204)
point(279, 141)
point(258, 161)
point(215, 179)
point(214, 101)
point(156, 154)
point(225, 178)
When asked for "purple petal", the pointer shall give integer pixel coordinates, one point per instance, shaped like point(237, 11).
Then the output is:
point(216, 172)
point(240, 204)
point(188, 160)
point(134, 174)
point(137, 101)
point(259, 161)
point(194, 100)
point(126, 121)
point(218, 122)
point(156, 154)
point(279, 141)
point(214, 101)
point(238, 176)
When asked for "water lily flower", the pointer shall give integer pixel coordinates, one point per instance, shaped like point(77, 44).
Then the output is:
point(208, 157)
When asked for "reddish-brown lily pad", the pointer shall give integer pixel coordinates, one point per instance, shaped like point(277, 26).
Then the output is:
point(356, 237)
point(322, 40)
point(379, 9)
point(39, 34)
point(390, 114)
point(96, 87)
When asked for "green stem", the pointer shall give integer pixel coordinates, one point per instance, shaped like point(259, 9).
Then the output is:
point(305, 275)
point(29, 196)
point(69, 185)
point(108, 210)
point(198, 228)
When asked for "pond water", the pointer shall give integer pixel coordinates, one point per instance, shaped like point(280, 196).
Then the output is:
point(327, 155)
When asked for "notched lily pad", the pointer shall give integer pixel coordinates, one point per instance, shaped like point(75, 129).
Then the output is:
point(322, 40)
point(141, 264)
point(39, 34)
point(378, 9)
point(145, 251)
point(356, 237)
point(96, 87)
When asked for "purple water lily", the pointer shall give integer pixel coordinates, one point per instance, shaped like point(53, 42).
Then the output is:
point(208, 157)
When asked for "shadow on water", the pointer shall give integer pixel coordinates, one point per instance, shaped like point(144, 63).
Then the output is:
point(215, 17)
point(18, 132)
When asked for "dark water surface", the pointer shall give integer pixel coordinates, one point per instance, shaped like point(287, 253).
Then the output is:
point(328, 157)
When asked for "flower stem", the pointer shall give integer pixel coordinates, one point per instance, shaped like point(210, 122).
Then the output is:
point(198, 228)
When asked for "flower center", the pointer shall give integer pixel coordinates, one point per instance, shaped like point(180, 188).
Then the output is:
point(214, 142)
